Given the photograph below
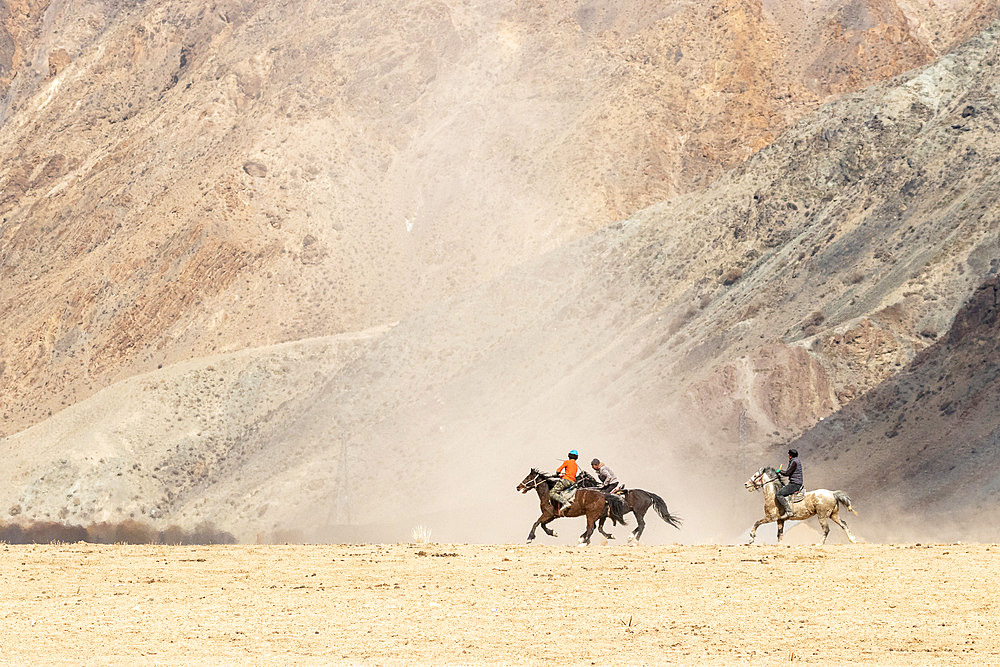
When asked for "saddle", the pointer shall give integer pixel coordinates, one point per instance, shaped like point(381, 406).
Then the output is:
point(798, 496)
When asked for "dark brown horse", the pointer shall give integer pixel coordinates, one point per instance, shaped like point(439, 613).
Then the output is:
point(590, 502)
point(638, 503)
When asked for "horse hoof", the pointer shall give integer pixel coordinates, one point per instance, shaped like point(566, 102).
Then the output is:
point(555, 534)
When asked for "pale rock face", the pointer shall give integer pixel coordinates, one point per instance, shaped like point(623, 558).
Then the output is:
point(187, 181)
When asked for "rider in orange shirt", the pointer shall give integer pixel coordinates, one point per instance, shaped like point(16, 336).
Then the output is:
point(569, 470)
point(569, 467)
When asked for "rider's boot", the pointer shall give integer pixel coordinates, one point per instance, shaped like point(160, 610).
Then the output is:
point(783, 505)
point(565, 507)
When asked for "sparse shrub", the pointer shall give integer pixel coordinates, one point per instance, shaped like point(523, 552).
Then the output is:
point(731, 276)
point(421, 535)
point(815, 319)
point(206, 533)
point(101, 533)
point(854, 278)
point(126, 532)
point(133, 532)
point(750, 311)
point(173, 534)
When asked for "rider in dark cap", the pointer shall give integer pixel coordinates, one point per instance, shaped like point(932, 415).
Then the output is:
point(609, 481)
point(794, 474)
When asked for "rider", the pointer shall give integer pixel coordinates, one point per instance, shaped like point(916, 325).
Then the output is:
point(609, 481)
point(568, 469)
point(794, 474)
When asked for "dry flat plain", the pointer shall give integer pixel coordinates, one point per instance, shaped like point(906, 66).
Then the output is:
point(474, 604)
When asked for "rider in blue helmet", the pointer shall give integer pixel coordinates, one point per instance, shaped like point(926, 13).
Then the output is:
point(568, 471)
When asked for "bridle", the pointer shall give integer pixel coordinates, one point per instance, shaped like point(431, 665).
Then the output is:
point(536, 481)
point(758, 486)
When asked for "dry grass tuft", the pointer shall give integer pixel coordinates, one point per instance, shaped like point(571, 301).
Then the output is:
point(421, 535)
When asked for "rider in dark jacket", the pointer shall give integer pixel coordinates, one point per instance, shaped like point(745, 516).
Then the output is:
point(794, 474)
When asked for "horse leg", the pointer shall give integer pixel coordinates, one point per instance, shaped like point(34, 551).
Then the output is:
point(640, 525)
point(542, 520)
point(825, 525)
point(549, 531)
point(600, 528)
point(843, 524)
point(781, 529)
point(591, 524)
point(753, 531)
point(639, 508)
point(531, 535)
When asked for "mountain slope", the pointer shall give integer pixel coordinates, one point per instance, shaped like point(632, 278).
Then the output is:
point(686, 345)
point(920, 448)
point(182, 179)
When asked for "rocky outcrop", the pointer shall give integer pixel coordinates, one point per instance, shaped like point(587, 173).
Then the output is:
point(919, 448)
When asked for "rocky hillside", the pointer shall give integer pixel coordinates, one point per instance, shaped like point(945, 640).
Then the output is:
point(686, 345)
point(920, 448)
point(183, 179)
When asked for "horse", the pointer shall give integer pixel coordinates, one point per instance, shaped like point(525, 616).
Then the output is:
point(588, 501)
point(638, 503)
point(822, 503)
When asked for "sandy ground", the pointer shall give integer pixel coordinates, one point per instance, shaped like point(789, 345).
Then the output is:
point(472, 604)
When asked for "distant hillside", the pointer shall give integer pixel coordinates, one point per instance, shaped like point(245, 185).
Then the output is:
point(183, 179)
point(687, 346)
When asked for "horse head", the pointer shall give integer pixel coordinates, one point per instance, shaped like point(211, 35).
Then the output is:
point(760, 478)
point(532, 480)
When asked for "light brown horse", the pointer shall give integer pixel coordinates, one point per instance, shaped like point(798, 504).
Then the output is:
point(589, 502)
point(820, 503)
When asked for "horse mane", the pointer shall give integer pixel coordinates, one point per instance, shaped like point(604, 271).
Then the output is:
point(771, 471)
point(548, 477)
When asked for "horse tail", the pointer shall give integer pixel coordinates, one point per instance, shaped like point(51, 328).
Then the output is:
point(661, 508)
point(844, 500)
point(616, 509)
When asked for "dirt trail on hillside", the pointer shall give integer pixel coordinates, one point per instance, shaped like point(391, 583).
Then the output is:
point(474, 604)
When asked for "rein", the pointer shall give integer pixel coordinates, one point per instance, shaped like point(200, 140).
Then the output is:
point(536, 481)
point(758, 487)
